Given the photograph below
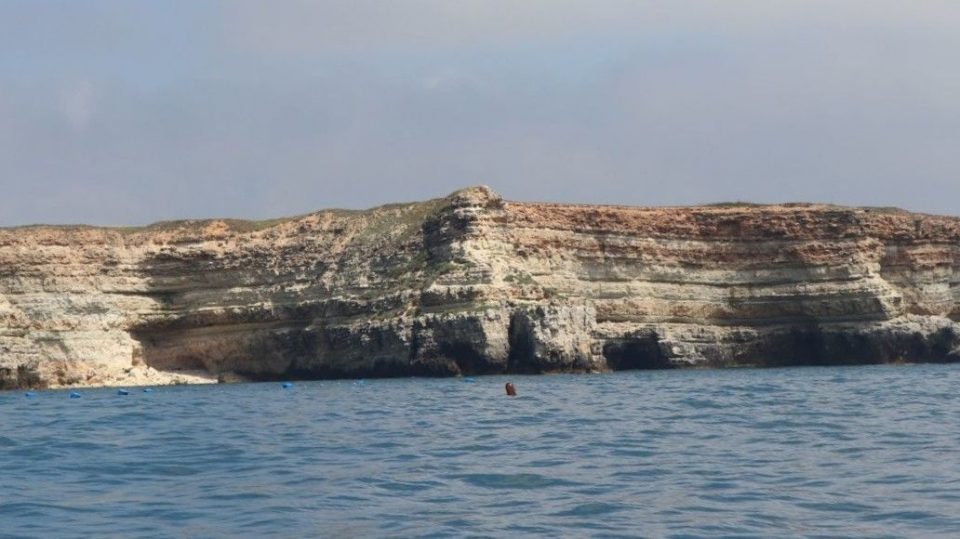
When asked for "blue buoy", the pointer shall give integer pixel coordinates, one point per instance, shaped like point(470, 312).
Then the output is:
point(148, 390)
point(287, 385)
point(122, 392)
point(468, 380)
point(74, 395)
point(29, 394)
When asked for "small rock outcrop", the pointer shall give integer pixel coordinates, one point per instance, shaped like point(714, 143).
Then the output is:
point(473, 284)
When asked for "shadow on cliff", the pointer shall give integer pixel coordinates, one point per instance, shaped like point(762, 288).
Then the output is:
point(237, 352)
point(196, 329)
point(21, 377)
point(529, 355)
point(815, 345)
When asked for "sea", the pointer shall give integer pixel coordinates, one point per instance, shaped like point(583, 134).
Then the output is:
point(860, 452)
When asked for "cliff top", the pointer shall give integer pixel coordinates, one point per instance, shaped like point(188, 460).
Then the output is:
point(481, 196)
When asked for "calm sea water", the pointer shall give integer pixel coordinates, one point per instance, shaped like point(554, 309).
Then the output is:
point(807, 452)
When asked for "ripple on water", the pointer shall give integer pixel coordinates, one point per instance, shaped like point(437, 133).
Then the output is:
point(856, 452)
point(523, 481)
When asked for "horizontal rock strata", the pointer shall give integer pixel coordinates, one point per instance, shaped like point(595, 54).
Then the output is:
point(473, 284)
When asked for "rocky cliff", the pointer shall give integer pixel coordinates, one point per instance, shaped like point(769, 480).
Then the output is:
point(473, 284)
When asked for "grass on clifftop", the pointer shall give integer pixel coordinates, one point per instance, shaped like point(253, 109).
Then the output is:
point(254, 225)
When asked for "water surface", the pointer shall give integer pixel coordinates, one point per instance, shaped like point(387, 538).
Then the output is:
point(803, 452)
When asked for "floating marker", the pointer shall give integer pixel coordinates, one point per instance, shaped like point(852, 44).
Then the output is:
point(74, 395)
point(122, 392)
point(148, 390)
point(29, 394)
point(468, 380)
point(287, 385)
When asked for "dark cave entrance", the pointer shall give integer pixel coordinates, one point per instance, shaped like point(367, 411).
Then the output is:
point(522, 358)
point(466, 358)
point(636, 354)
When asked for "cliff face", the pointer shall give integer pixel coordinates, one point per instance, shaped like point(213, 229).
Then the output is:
point(473, 284)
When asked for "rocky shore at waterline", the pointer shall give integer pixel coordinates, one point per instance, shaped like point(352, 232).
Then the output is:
point(474, 284)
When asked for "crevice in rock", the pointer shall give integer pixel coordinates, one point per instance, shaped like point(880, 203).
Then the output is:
point(21, 377)
point(522, 358)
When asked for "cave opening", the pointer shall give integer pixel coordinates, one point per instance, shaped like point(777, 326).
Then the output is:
point(636, 354)
point(466, 358)
point(522, 358)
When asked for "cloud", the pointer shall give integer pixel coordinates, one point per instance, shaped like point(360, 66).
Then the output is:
point(258, 109)
point(338, 25)
point(78, 103)
point(450, 79)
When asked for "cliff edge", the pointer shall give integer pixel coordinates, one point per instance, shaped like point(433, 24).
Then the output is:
point(473, 284)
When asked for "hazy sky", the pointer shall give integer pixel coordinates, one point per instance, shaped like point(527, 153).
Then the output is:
point(120, 112)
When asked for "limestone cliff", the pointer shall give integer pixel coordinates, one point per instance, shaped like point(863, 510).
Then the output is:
point(474, 284)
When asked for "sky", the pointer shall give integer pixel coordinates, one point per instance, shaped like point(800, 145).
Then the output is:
point(126, 113)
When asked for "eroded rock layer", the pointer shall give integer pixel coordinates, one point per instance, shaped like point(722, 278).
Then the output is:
point(472, 284)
